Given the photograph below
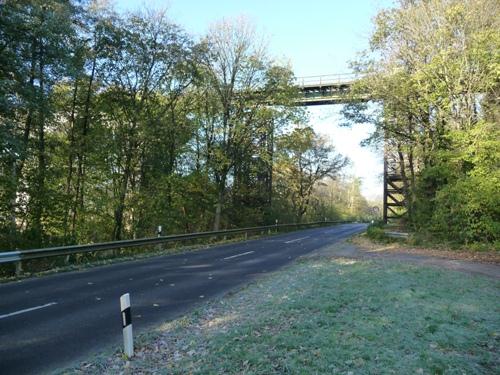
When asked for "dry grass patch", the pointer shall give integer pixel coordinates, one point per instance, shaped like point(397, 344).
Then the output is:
point(365, 243)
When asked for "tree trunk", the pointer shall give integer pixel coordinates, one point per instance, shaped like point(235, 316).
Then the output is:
point(81, 153)
point(71, 157)
point(13, 218)
point(120, 209)
point(38, 211)
point(270, 152)
point(218, 206)
point(19, 164)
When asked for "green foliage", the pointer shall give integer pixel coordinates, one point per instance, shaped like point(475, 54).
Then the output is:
point(463, 205)
point(375, 231)
point(305, 159)
point(434, 66)
point(112, 124)
point(341, 199)
point(468, 210)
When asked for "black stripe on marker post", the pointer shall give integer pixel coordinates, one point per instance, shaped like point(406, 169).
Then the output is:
point(126, 317)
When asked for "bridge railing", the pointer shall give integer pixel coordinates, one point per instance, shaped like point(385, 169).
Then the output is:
point(20, 255)
point(326, 80)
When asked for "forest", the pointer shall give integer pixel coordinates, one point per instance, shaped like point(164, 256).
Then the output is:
point(434, 65)
point(112, 124)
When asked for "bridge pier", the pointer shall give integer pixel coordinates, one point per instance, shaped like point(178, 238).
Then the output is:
point(395, 205)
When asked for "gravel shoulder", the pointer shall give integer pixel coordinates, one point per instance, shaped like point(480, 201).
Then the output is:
point(360, 247)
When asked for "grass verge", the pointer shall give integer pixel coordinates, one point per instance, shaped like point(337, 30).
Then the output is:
point(330, 316)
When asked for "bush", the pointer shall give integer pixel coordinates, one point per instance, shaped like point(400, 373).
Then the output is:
point(468, 211)
point(376, 232)
point(457, 199)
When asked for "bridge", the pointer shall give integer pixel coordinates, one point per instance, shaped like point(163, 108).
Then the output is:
point(335, 89)
point(327, 89)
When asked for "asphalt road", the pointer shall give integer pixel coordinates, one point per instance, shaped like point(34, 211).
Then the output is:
point(50, 322)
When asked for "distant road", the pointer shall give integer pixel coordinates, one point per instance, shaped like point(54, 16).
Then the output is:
point(50, 322)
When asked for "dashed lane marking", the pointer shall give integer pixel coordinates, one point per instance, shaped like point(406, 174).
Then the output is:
point(239, 255)
point(27, 310)
point(297, 239)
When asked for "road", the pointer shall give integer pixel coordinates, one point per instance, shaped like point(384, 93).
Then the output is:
point(50, 322)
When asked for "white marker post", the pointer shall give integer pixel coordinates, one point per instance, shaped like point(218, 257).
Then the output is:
point(159, 233)
point(128, 338)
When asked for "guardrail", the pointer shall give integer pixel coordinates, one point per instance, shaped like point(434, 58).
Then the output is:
point(20, 255)
point(325, 80)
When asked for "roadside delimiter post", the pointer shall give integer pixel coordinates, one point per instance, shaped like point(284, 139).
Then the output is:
point(159, 233)
point(19, 268)
point(128, 339)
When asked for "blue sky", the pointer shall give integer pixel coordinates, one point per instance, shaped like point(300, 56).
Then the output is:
point(316, 37)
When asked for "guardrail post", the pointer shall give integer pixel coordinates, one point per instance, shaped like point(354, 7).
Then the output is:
point(128, 338)
point(19, 268)
point(276, 224)
point(246, 236)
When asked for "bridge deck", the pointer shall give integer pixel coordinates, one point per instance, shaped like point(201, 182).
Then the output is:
point(323, 90)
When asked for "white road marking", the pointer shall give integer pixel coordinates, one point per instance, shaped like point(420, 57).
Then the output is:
point(297, 239)
point(239, 255)
point(27, 310)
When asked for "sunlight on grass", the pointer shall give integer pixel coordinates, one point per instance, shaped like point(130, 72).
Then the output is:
point(335, 316)
point(344, 261)
point(219, 321)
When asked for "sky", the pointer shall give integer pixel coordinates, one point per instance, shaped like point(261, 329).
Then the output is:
point(316, 37)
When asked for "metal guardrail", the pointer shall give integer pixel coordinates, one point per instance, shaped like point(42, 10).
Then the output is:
point(20, 255)
point(393, 234)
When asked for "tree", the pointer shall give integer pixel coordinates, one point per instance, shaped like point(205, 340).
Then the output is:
point(147, 70)
point(237, 84)
point(305, 159)
point(434, 66)
point(36, 43)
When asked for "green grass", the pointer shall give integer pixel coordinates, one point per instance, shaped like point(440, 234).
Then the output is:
point(332, 316)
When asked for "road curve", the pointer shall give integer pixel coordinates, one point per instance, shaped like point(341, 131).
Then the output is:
point(50, 322)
